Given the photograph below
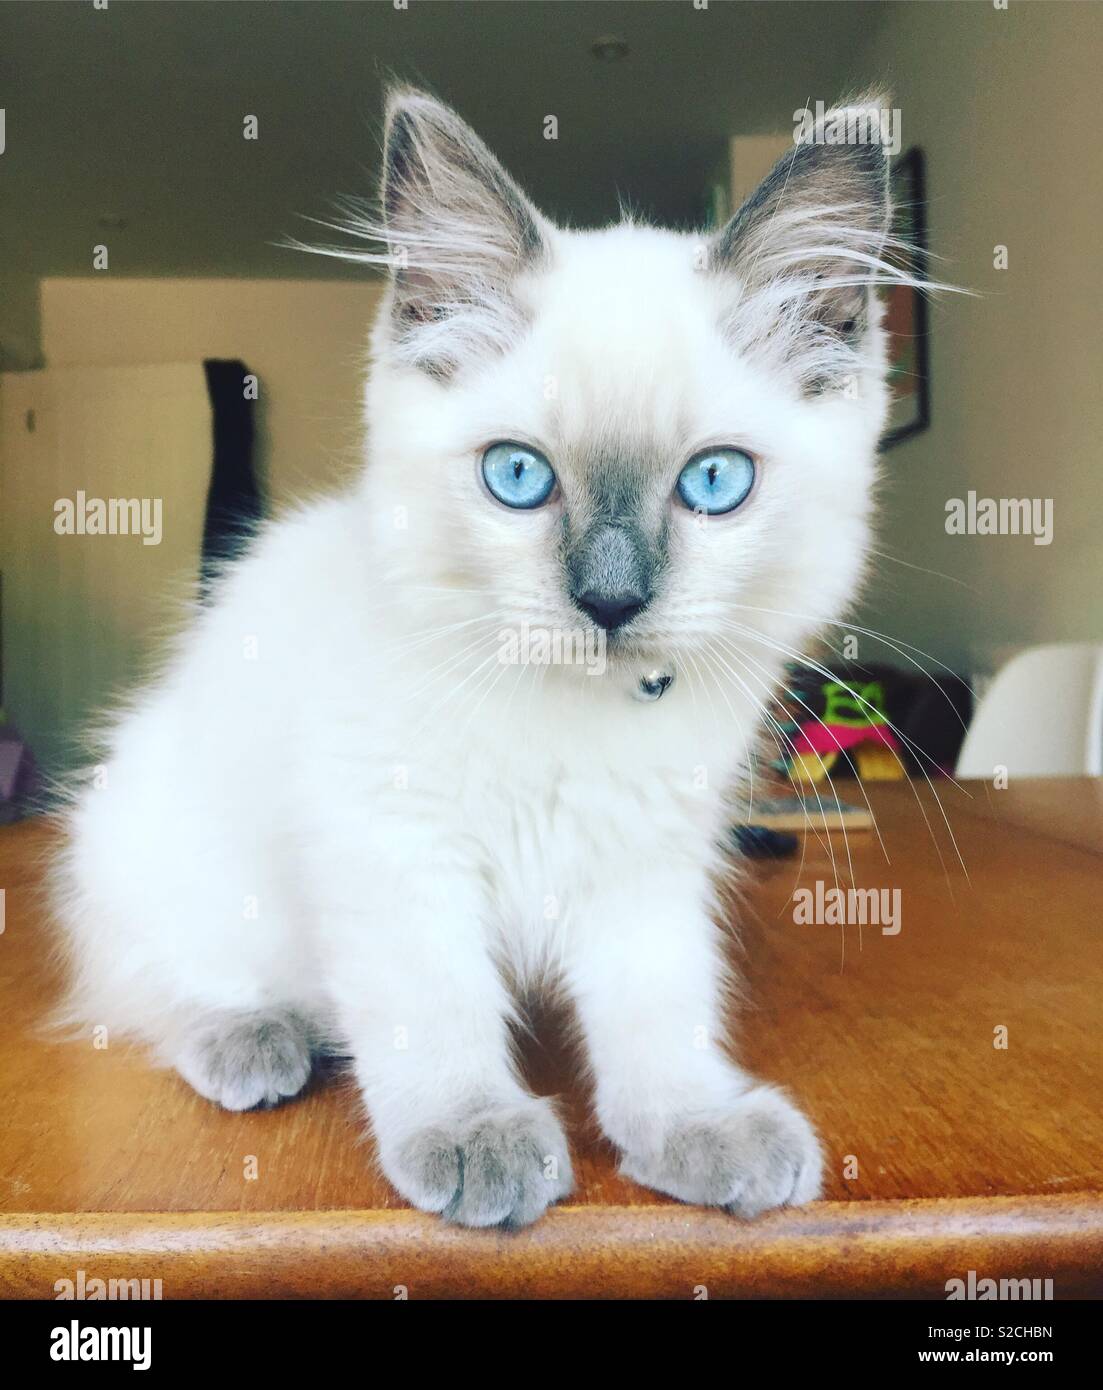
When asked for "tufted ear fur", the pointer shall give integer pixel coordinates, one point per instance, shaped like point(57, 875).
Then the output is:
point(808, 246)
point(459, 230)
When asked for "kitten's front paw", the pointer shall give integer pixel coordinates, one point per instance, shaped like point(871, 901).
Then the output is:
point(761, 1153)
point(241, 1061)
point(499, 1166)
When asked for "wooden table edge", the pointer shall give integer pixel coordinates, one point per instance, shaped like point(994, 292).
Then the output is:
point(827, 1250)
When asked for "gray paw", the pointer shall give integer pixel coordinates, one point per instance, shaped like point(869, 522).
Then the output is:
point(499, 1166)
point(244, 1060)
point(761, 1153)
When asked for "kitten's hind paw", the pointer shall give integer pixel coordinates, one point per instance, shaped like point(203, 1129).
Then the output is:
point(761, 1153)
point(497, 1166)
point(242, 1060)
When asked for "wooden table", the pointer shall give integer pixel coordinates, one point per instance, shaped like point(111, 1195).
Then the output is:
point(962, 1155)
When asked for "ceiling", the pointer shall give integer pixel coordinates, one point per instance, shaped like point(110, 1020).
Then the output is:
point(133, 114)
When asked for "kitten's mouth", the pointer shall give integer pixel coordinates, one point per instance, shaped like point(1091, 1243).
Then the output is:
point(642, 669)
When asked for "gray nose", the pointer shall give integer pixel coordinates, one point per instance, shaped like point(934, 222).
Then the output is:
point(609, 572)
point(611, 611)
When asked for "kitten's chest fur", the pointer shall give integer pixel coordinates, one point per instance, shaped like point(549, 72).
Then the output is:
point(548, 806)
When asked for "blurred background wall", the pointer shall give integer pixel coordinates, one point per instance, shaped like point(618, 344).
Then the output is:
point(1005, 106)
point(305, 339)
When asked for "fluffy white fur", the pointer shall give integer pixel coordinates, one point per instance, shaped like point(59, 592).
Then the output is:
point(336, 819)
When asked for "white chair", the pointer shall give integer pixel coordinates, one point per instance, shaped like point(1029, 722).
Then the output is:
point(1042, 716)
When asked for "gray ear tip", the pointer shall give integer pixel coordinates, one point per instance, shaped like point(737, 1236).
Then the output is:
point(398, 92)
point(876, 97)
point(873, 101)
point(405, 104)
point(865, 164)
point(867, 159)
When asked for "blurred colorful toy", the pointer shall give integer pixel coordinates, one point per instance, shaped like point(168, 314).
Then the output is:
point(854, 725)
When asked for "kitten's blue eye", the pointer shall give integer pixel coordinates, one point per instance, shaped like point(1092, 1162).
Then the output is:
point(518, 475)
point(716, 480)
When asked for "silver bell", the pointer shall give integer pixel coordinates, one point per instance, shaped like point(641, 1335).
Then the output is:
point(654, 685)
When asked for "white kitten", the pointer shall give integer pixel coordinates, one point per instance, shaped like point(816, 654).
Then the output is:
point(338, 819)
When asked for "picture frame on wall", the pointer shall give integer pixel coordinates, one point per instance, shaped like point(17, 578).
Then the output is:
point(906, 311)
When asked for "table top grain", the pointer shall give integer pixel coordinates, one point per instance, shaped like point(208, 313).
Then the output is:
point(946, 1150)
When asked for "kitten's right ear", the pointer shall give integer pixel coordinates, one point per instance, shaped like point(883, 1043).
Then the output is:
point(458, 227)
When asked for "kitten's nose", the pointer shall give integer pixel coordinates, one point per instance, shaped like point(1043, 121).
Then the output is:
point(611, 611)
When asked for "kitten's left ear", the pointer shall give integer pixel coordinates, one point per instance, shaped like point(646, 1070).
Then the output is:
point(807, 245)
point(459, 228)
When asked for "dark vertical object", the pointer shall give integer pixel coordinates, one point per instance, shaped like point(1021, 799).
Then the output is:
point(234, 503)
point(909, 177)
